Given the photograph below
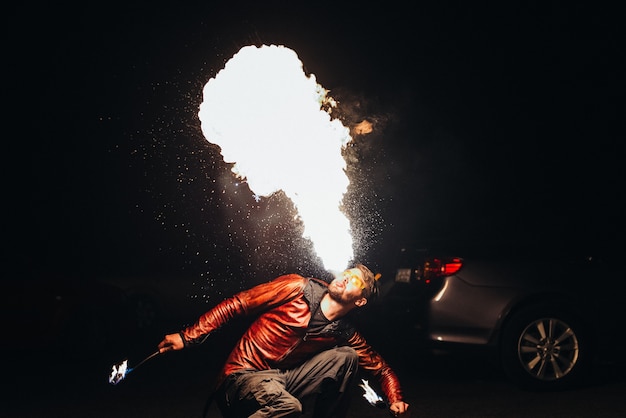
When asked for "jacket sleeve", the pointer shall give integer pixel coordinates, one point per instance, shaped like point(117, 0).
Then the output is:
point(374, 363)
point(259, 298)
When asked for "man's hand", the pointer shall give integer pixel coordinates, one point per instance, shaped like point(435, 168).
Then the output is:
point(400, 409)
point(171, 342)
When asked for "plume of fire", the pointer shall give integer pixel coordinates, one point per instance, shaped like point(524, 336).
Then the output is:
point(269, 119)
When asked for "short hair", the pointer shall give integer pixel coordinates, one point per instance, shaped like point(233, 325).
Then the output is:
point(371, 282)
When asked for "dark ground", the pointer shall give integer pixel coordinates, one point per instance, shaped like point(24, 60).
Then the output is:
point(62, 384)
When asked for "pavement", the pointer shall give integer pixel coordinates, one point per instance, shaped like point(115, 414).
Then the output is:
point(72, 384)
point(172, 385)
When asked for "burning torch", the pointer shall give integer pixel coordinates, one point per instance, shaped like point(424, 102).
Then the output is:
point(371, 396)
point(120, 370)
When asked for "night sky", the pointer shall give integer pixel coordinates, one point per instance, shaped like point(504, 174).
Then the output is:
point(492, 122)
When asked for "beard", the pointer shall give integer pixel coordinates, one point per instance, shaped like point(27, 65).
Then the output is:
point(338, 294)
point(335, 293)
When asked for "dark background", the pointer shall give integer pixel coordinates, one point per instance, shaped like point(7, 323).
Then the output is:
point(492, 122)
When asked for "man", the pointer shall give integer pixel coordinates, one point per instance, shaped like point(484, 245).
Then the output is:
point(301, 346)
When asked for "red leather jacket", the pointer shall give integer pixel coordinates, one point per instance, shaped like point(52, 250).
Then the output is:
point(279, 339)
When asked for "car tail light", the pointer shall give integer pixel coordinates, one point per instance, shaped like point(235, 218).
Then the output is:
point(439, 267)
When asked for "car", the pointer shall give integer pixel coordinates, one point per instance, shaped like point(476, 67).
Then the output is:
point(547, 316)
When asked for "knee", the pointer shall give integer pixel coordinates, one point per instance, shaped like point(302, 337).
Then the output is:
point(278, 401)
point(293, 405)
point(284, 406)
point(347, 356)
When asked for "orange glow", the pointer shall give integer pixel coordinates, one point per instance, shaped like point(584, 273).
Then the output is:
point(362, 128)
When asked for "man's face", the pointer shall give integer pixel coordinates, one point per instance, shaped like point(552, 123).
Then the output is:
point(348, 287)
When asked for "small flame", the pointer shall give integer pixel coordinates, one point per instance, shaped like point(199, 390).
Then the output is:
point(118, 372)
point(270, 121)
point(363, 127)
point(370, 394)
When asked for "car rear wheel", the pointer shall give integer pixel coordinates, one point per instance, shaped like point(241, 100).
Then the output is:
point(544, 348)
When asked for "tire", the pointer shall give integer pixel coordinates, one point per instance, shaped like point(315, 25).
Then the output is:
point(545, 348)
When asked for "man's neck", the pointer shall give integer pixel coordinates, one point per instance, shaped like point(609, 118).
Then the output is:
point(331, 308)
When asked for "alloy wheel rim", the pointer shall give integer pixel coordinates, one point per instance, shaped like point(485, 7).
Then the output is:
point(548, 349)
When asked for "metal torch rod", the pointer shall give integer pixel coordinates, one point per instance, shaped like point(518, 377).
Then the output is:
point(146, 359)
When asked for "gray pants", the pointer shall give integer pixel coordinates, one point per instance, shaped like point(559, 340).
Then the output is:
point(321, 383)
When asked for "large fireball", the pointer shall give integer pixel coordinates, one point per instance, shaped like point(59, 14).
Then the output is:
point(268, 118)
